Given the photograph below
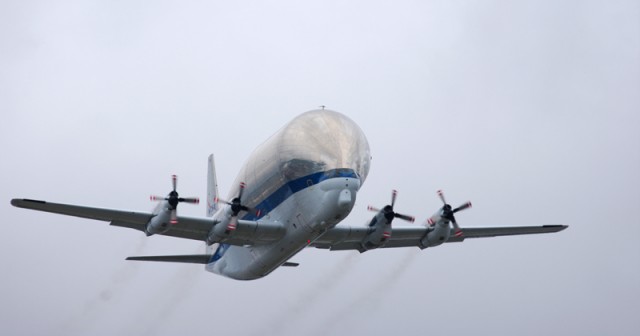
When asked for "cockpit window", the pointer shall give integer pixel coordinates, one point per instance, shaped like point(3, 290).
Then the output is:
point(297, 168)
point(321, 141)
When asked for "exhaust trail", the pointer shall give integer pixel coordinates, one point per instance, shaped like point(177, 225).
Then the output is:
point(308, 296)
point(169, 298)
point(166, 298)
point(371, 296)
point(94, 306)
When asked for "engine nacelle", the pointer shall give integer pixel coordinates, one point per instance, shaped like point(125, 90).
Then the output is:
point(159, 223)
point(226, 225)
point(439, 230)
point(379, 233)
point(438, 233)
point(435, 218)
point(436, 236)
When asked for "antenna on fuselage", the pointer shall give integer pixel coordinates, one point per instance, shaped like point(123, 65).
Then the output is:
point(322, 106)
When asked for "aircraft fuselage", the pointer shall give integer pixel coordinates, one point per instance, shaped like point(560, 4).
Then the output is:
point(306, 176)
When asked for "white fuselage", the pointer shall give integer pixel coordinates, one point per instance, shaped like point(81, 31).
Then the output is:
point(306, 177)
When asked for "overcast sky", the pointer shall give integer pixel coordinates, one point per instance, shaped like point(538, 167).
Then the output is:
point(530, 109)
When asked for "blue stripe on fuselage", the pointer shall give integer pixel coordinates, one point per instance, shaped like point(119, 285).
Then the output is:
point(292, 187)
point(284, 192)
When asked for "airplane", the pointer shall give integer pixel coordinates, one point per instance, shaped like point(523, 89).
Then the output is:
point(289, 195)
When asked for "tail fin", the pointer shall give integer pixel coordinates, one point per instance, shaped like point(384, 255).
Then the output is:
point(212, 188)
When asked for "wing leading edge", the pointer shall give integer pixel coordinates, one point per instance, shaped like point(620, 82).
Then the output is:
point(252, 232)
point(247, 232)
point(350, 238)
point(190, 228)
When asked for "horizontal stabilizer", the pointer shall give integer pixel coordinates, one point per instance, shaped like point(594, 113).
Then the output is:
point(191, 259)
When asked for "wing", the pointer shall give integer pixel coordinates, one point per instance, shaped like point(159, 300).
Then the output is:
point(247, 232)
point(349, 238)
point(190, 228)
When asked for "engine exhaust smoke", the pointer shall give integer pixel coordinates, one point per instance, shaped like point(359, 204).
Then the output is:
point(94, 306)
point(307, 297)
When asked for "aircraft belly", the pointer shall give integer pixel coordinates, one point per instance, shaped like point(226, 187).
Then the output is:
point(306, 215)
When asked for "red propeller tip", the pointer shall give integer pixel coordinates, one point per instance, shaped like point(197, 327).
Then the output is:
point(174, 222)
point(459, 233)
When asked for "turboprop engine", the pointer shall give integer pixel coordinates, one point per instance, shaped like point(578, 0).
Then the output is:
point(380, 225)
point(229, 221)
point(439, 230)
point(166, 213)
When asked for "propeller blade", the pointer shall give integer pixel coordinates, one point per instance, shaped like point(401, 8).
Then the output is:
point(173, 200)
point(457, 230)
point(405, 217)
point(441, 195)
point(242, 186)
point(388, 209)
point(462, 207)
point(192, 200)
point(394, 195)
point(220, 200)
point(253, 211)
point(174, 217)
point(236, 203)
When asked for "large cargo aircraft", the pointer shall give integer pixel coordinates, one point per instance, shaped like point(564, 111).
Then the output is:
point(289, 195)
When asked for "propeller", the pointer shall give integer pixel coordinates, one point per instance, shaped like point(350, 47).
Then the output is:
point(389, 214)
point(448, 213)
point(174, 199)
point(236, 203)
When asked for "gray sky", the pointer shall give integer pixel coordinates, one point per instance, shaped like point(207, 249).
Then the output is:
point(530, 109)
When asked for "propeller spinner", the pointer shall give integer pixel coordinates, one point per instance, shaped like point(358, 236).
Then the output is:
point(448, 213)
point(237, 206)
point(174, 199)
point(389, 214)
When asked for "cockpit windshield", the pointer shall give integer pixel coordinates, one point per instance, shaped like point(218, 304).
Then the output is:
point(320, 141)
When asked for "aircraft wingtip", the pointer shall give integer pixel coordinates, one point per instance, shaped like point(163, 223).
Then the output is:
point(560, 227)
point(20, 202)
